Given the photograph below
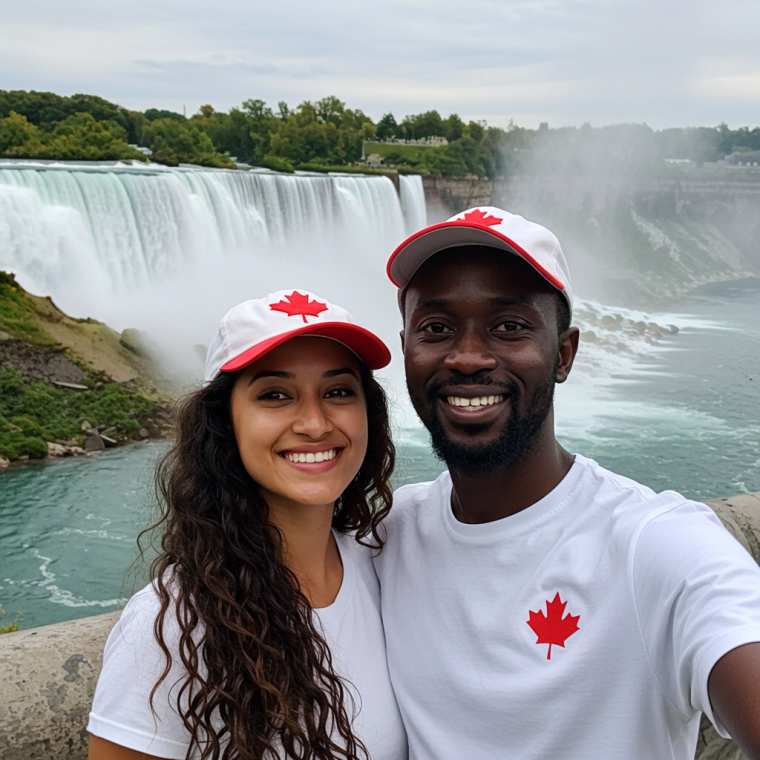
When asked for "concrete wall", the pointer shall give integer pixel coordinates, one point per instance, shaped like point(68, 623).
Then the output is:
point(48, 674)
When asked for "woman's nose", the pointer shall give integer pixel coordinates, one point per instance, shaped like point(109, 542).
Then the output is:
point(312, 419)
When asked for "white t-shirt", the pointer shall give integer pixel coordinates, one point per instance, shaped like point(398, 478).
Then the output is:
point(638, 594)
point(352, 627)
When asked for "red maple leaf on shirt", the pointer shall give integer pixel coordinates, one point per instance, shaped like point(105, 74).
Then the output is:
point(298, 304)
point(476, 216)
point(552, 628)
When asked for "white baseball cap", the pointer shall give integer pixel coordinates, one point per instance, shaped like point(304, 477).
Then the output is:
point(488, 226)
point(253, 328)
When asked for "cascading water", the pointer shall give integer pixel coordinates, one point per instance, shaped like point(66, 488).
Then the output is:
point(413, 201)
point(169, 250)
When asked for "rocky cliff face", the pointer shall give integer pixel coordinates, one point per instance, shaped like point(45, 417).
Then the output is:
point(632, 237)
point(70, 385)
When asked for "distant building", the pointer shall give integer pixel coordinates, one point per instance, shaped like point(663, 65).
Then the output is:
point(745, 158)
point(374, 159)
point(430, 142)
point(678, 161)
point(144, 151)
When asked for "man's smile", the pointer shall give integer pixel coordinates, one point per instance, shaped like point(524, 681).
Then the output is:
point(474, 403)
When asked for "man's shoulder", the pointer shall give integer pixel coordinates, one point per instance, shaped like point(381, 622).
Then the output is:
point(611, 490)
point(408, 495)
point(632, 504)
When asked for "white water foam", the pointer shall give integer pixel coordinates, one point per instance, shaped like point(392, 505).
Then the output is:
point(56, 594)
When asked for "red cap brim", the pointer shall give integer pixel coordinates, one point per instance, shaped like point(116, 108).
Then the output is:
point(367, 346)
point(420, 246)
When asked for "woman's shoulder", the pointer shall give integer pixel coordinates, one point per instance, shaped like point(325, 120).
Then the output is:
point(135, 626)
point(358, 571)
point(352, 551)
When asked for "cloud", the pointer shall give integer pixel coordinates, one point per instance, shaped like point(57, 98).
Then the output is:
point(665, 62)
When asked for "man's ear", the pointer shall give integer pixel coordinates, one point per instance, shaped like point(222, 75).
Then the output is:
point(568, 348)
point(401, 335)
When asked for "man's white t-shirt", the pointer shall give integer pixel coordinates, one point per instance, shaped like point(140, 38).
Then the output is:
point(583, 627)
point(352, 627)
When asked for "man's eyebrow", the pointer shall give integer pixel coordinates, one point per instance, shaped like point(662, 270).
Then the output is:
point(272, 373)
point(344, 371)
point(432, 303)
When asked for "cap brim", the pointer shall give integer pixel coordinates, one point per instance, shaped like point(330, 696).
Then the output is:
point(367, 346)
point(420, 246)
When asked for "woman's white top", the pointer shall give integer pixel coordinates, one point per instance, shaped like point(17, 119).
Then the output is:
point(352, 627)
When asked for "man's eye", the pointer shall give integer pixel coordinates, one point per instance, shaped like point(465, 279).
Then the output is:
point(438, 328)
point(509, 327)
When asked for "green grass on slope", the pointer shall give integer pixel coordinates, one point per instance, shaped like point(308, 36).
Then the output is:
point(18, 317)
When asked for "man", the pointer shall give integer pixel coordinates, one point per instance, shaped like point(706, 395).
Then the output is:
point(537, 606)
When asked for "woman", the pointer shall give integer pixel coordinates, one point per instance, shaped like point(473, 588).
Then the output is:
point(260, 636)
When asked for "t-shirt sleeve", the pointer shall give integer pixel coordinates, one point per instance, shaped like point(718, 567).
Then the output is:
point(697, 594)
point(132, 664)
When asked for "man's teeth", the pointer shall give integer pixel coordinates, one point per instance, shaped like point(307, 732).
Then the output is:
point(480, 401)
point(311, 457)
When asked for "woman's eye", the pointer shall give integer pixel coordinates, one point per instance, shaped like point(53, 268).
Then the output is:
point(273, 396)
point(340, 393)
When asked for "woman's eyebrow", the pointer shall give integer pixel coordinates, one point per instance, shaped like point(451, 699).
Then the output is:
point(272, 373)
point(344, 371)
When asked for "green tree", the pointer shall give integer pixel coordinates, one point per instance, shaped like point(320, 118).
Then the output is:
point(19, 138)
point(82, 137)
point(453, 127)
point(420, 126)
point(152, 114)
point(387, 129)
point(46, 108)
point(174, 142)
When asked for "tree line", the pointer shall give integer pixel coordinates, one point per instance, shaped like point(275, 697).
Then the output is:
point(326, 134)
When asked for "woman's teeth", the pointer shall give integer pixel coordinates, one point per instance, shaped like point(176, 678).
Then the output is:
point(480, 401)
point(311, 457)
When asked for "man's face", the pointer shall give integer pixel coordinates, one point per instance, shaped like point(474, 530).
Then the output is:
point(481, 354)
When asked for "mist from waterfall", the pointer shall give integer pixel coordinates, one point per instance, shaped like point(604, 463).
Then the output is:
point(170, 250)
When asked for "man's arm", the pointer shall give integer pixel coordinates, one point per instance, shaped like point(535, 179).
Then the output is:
point(734, 689)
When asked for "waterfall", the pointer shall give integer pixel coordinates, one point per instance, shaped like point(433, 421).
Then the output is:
point(413, 201)
point(169, 250)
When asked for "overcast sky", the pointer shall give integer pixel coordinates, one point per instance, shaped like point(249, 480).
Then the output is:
point(663, 62)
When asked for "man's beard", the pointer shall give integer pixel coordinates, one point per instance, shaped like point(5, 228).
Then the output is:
point(514, 441)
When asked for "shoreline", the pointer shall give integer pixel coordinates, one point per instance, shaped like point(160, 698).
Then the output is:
point(7, 465)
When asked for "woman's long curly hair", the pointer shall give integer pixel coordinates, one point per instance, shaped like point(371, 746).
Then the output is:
point(260, 680)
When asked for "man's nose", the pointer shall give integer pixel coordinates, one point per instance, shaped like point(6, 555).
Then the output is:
point(311, 418)
point(470, 353)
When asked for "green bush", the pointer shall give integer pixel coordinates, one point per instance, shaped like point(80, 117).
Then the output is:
point(33, 412)
point(276, 163)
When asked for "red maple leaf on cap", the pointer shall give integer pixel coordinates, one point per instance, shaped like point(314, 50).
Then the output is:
point(476, 216)
point(552, 628)
point(298, 304)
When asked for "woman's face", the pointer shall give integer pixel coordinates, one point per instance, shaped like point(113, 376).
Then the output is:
point(300, 420)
